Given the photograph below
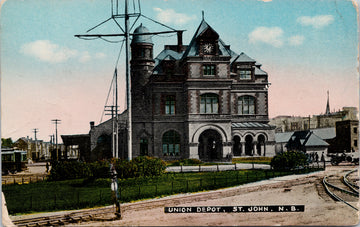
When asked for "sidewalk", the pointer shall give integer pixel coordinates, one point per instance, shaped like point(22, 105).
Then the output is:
point(214, 168)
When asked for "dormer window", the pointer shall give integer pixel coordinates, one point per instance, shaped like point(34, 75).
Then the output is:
point(209, 70)
point(244, 74)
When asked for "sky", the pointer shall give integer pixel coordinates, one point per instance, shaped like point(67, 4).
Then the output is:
point(307, 47)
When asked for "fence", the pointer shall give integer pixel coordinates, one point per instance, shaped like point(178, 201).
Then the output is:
point(74, 196)
point(21, 179)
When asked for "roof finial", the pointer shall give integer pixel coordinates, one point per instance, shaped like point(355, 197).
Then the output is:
point(202, 14)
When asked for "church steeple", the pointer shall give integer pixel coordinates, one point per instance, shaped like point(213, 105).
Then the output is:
point(327, 105)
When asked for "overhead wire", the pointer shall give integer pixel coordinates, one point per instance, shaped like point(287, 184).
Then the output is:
point(110, 41)
point(112, 81)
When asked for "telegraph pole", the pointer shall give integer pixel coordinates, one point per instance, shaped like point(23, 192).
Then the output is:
point(56, 122)
point(35, 130)
point(114, 114)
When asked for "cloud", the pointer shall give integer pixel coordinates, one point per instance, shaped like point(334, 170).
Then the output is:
point(269, 35)
point(84, 57)
point(316, 22)
point(100, 55)
point(171, 17)
point(46, 51)
point(296, 40)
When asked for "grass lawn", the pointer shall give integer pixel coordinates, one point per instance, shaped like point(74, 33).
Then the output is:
point(82, 193)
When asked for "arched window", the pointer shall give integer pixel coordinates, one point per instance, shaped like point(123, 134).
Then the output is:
point(171, 143)
point(246, 105)
point(209, 103)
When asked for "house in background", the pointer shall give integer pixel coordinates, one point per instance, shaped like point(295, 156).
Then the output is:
point(308, 142)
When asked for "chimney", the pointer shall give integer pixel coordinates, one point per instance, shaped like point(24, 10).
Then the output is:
point(179, 44)
point(92, 125)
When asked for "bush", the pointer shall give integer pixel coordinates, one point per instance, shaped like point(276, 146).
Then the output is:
point(69, 170)
point(100, 169)
point(125, 169)
point(289, 160)
point(142, 166)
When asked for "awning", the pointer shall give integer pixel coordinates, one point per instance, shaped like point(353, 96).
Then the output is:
point(251, 125)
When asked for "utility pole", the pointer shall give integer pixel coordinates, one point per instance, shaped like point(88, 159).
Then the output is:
point(115, 128)
point(56, 122)
point(51, 145)
point(35, 130)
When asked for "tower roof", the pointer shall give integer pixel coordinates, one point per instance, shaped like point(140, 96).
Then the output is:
point(140, 35)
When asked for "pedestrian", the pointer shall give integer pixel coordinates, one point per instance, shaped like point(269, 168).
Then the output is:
point(47, 167)
point(316, 157)
point(322, 157)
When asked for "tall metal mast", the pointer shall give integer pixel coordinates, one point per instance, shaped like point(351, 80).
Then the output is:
point(128, 80)
point(126, 33)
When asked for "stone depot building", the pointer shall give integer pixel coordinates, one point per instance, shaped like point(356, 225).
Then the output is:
point(202, 101)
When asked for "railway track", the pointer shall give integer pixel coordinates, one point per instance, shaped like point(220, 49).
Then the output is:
point(73, 217)
point(343, 188)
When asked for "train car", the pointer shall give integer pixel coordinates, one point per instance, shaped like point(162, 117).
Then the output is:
point(13, 161)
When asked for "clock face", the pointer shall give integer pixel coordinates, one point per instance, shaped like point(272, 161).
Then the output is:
point(208, 48)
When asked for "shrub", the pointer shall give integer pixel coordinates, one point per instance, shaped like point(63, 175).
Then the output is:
point(142, 166)
point(149, 166)
point(125, 169)
point(100, 169)
point(289, 160)
point(66, 170)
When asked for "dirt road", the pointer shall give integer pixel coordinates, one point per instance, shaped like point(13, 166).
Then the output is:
point(290, 190)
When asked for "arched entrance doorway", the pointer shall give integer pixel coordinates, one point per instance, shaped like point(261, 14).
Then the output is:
point(249, 145)
point(210, 145)
point(260, 147)
point(237, 146)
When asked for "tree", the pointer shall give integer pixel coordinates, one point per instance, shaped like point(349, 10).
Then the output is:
point(289, 160)
point(7, 142)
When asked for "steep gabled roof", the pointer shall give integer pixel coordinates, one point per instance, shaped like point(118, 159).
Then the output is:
point(193, 48)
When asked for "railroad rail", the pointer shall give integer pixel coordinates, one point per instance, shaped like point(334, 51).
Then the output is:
point(73, 217)
point(339, 193)
point(351, 185)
